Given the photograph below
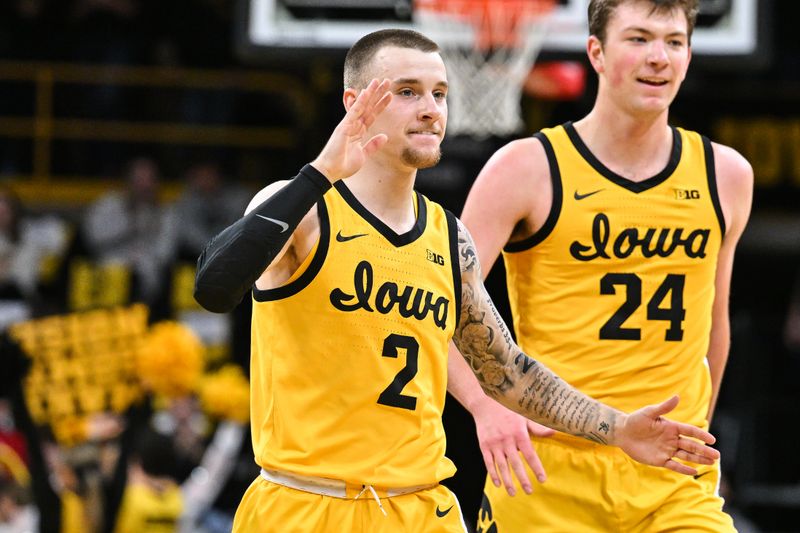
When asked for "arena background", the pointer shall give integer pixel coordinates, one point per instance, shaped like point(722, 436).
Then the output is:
point(87, 86)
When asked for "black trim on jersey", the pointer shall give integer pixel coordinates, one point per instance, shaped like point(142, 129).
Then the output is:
point(633, 186)
point(711, 174)
point(396, 239)
point(555, 208)
point(455, 260)
point(313, 269)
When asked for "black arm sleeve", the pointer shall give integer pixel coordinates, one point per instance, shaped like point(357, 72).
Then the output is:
point(234, 259)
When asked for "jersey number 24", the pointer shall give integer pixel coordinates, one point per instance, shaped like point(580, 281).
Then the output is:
point(658, 308)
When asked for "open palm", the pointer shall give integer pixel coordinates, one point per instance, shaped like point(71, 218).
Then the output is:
point(651, 439)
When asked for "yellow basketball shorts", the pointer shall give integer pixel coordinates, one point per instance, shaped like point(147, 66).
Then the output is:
point(269, 507)
point(596, 488)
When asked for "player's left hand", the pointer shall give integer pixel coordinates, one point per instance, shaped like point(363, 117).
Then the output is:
point(649, 438)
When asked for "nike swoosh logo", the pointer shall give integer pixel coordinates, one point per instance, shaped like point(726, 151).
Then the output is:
point(284, 226)
point(440, 514)
point(698, 476)
point(345, 238)
point(587, 195)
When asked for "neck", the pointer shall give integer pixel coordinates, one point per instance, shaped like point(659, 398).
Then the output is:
point(387, 193)
point(634, 147)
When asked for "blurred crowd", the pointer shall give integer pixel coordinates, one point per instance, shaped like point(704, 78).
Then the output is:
point(165, 455)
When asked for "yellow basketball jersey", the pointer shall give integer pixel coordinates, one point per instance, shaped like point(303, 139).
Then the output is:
point(144, 509)
point(349, 358)
point(615, 292)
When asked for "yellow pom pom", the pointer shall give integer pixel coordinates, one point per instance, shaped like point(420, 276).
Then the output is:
point(170, 361)
point(226, 394)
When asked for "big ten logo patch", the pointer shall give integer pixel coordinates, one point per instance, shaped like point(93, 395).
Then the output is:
point(433, 257)
point(687, 194)
point(486, 523)
point(82, 364)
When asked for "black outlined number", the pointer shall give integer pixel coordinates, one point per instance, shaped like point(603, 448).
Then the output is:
point(393, 394)
point(613, 329)
point(675, 314)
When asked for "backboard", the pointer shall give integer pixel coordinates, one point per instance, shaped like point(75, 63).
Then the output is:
point(729, 33)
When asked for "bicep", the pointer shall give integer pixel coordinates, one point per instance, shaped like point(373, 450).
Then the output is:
point(504, 198)
point(481, 333)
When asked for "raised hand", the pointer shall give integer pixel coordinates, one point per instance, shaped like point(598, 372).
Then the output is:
point(348, 148)
point(651, 439)
point(502, 436)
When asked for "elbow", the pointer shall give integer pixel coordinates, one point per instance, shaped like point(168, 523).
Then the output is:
point(215, 299)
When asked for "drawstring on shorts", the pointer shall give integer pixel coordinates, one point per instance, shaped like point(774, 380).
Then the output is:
point(374, 495)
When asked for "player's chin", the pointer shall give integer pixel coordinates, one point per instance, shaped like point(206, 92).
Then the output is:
point(420, 159)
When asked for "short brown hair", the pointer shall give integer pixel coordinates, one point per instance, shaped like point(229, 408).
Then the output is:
point(360, 54)
point(600, 12)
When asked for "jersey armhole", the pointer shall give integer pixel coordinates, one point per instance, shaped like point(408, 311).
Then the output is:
point(455, 263)
point(711, 174)
point(555, 206)
point(309, 269)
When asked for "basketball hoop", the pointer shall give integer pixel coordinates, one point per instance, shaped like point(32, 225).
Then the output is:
point(489, 47)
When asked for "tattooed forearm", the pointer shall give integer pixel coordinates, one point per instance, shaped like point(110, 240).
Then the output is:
point(510, 376)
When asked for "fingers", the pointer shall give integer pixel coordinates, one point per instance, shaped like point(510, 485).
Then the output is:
point(501, 462)
point(381, 100)
point(535, 464)
point(488, 462)
point(371, 101)
point(696, 449)
point(680, 468)
point(694, 458)
point(697, 433)
point(661, 409)
point(519, 470)
point(374, 144)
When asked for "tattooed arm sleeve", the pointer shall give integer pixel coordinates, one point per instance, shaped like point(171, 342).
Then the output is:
point(513, 378)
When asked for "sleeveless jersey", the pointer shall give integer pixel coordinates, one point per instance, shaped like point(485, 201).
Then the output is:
point(349, 357)
point(614, 293)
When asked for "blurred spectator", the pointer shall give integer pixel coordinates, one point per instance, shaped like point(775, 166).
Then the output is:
point(152, 501)
point(13, 448)
point(26, 243)
point(134, 229)
point(207, 206)
point(17, 514)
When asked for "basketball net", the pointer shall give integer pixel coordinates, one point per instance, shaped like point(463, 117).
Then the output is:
point(486, 78)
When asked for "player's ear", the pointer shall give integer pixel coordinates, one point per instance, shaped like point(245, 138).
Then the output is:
point(349, 97)
point(594, 49)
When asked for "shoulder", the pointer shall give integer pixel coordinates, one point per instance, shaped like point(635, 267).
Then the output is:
point(513, 173)
point(731, 166)
point(512, 195)
point(734, 176)
point(516, 159)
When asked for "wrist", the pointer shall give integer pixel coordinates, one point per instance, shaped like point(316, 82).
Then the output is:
point(617, 432)
point(477, 403)
point(324, 170)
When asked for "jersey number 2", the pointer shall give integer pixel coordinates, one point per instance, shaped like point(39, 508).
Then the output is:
point(392, 395)
point(674, 314)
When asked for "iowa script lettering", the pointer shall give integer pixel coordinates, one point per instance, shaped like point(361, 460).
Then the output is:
point(656, 241)
point(410, 301)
